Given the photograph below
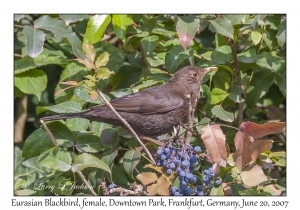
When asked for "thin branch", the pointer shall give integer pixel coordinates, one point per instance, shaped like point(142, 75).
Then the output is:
point(86, 183)
point(238, 76)
point(126, 124)
point(49, 133)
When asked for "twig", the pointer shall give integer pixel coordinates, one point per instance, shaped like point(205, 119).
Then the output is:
point(86, 183)
point(20, 120)
point(126, 124)
point(190, 120)
point(49, 133)
point(238, 77)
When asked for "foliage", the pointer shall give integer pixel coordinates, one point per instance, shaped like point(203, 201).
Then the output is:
point(61, 59)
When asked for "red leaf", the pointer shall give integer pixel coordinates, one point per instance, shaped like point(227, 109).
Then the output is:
point(185, 40)
point(214, 141)
point(69, 83)
point(242, 156)
point(258, 131)
point(258, 147)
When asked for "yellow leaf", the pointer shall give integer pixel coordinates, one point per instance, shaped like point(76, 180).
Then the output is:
point(156, 168)
point(152, 189)
point(147, 177)
point(90, 51)
point(163, 186)
point(102, 60)
point(89, 64)
point(104, 73)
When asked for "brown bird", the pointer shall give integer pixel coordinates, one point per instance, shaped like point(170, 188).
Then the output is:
point(153, 111)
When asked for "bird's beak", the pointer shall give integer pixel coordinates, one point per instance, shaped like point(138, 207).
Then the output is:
point(210, 69)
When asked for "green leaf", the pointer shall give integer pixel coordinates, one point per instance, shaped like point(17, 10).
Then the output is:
point(121, 92)
point(258, 86)
point(281, 34)
point(217, 191)
point(33, 163)
point(221, 55)
point(219, 112)
point(32, 82)
point(131, 159)
point(61, 133)
point(35, 143)
point(204, 121)
point(256, 37)
point(56, 158)
point(236, 19)
point(222, 26)
point(88, 143)
point(149, 43)
point(102, 59)
point(86, 160)
point(35, 41)
point(78, 124)
point(281, 82)
point(24, 192)
point(235, 94)
point(116, 57)
point(108, 158)
point(96, 28)
point(19, 169)
point(28, 63)
point(175, 56)
point(73, 18)
point(66, 107)
point(109, 138)
point(60, 30)
point(218, 95)
point(98, 127)
point(271, 61)
point(236, 188)
point(61, 185)
point(206, 92)
point(248, 56)
point(120, 24)
point(82, 93)
point(186, 28)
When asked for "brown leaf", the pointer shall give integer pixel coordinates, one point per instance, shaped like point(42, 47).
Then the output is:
point(89, 64)
point(252, 176)
point(90, 51)
point(152, 189)
point(227, 189)
point(163, 186)
point(242, 155)
point(93, 94)
point(274, 113)
point(74, 83)
point(258, 131)
point(258, 147)
point(147, 177)
point(214, 141)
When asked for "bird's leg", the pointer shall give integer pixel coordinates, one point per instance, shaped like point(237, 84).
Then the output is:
point(152, 140)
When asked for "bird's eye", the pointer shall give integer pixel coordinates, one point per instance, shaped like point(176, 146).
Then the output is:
point(195, 74)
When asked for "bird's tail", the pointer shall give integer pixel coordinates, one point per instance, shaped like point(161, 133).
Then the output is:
point(63, 116)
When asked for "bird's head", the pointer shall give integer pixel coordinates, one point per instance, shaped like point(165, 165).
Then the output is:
point(191, 76)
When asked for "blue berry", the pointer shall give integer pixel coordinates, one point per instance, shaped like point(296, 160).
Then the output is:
point(163, 157)
point(182, 173)
point(196, 163)
point(165, 163)
point(172, 165)
point(193, 159)
point(206, 179)
point(182, 187)
point(184, 181)
point(188, 191)
point(197, 149)
point(167, 150)
point(169, 171)
point(174, 188)
point(200, 193)
point(180, 153)
point(189, 175)
point(206, 172)
point(158, 152)
point(179, 169)
point(211, 171)
point(217, 182)
point(193, 179)
point(185, 163)
point(111, 186)
point(158, 163)
point(177, 194)
point(199, 188)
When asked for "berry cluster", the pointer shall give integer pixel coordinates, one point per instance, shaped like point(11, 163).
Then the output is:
point(181, 161)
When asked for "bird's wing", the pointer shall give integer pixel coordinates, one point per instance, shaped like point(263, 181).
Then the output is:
point(148, 102)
